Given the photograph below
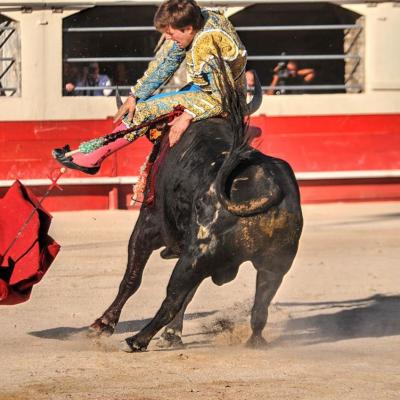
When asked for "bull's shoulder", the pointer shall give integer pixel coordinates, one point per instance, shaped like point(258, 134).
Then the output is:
point(212, 126)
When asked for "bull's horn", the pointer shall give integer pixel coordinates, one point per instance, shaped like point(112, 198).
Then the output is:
point(256, 101)
point(118, 99)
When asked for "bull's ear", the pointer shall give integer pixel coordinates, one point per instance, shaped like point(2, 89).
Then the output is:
point(118, 99)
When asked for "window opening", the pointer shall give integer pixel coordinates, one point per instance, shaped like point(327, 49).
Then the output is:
point(9, 57)
point(295, 47)
point(118, 40)
point(303, 47)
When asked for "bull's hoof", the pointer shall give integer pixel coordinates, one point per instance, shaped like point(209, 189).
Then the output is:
point(99, 328)
point(131, 345)
point(170, 340)
point(256, 342)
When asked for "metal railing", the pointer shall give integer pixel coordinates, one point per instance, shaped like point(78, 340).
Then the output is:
point(107, 59)
point(283, 88)
point(306, 88)
point(356, 58)
point(296, 27)
point(304, 57)
point(310, 88)
point(120, 88)
point(112, 29)
point(250, 58)
point(11, 60)
point(256, 28)
point(7, 89)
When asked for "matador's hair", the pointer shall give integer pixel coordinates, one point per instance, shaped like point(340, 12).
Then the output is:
point(178, 14)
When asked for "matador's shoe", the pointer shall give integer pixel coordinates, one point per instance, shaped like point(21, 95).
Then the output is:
point(59, 155)
point(90, 163)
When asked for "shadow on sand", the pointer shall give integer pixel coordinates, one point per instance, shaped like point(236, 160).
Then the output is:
point(375, 316)
point(65, 332)
point(325, 322)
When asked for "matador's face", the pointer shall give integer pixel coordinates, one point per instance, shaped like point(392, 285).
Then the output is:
point(183, 37)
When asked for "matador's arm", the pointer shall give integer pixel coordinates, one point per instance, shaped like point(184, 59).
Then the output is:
point(159, 70)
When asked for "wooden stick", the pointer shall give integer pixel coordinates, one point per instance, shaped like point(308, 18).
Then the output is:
point(71, 153)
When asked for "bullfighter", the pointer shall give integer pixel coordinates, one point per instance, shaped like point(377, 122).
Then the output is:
point(201, 38)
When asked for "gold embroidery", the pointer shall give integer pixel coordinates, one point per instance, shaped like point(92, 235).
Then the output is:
point(218, 36)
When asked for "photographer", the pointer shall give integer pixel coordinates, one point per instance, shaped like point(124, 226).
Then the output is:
point(289, 73)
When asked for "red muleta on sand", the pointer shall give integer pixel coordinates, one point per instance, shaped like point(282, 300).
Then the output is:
point(26, 250)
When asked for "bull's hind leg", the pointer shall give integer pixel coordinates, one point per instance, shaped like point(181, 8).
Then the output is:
point(185, 278)
point(144, 240)
point(269, 277)
point(172, 335)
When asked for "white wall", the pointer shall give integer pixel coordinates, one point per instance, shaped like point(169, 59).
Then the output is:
point(41, 64)
point(382, 46)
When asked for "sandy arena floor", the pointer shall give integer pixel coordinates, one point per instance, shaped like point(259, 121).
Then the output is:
point(334, 326)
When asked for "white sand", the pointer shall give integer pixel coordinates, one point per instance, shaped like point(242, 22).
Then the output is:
point(334, 326)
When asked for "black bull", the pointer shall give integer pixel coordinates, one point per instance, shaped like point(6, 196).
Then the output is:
point(214, 215)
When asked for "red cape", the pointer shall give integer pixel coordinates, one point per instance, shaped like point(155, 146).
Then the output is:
point(31, 255)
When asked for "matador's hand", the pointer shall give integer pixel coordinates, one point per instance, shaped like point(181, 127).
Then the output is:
point(128, 107)
point(178, 128)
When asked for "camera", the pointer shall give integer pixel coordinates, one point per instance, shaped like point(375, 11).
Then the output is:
point(281, 65)
point(282, 70)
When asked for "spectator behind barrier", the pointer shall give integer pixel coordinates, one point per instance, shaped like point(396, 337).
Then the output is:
point(289, 73)
point(90, 77)
point(122, 78)
point(250, 84)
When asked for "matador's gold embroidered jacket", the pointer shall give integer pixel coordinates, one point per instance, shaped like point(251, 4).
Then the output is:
point(201, 62)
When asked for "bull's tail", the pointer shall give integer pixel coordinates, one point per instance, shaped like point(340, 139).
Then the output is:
point(262, 192)
point(239, 155)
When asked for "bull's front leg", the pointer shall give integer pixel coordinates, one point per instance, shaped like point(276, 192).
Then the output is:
point(185, 278)
point(172, 335)
point(144, 240)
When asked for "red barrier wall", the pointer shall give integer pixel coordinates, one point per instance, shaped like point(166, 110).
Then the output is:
point(308, 143)
point(332, 143)
point(26, 148)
